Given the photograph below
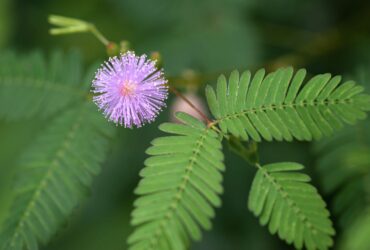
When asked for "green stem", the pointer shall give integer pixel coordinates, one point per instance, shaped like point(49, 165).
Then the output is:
point(248, 152)
point(99, 35)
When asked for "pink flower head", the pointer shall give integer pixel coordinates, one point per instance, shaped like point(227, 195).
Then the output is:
point(131, 90)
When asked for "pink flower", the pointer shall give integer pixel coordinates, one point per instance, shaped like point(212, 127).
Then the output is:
point(131, 90)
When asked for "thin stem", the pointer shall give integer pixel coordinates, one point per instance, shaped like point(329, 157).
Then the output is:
point(99, 35)
point(178, 94)
point(248, 152)
point(215, 128)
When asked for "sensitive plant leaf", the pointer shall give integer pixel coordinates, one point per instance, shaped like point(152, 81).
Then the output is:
point(67, 25)
point(53, 174)
point(279, 106)
point(31, 86)
point(283, 200)
point(343, 165)
point(357, 235)
point(180, 187)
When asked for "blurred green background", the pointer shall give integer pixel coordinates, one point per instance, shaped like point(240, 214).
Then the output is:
point(209, 37)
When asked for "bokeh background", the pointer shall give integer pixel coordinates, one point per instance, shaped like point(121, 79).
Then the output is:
point(208, 37)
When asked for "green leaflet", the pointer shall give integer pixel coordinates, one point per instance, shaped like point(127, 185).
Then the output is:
point(343, 166)
point(29, 87)
point(282, 198)
point(357, 235)
point(181, 184)
point(279, 106)
point(53, 176)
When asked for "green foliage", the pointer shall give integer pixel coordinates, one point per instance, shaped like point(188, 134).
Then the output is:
point(5, 21)
point(291, 207)
point(357, 235)
point(278, 106)
point(53, 174)
point(59, 166)
point(181, 182)
point(344, 169)
point(343, 165)
point(31, 86)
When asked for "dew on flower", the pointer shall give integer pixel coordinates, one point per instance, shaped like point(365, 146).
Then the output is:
point(130, 90)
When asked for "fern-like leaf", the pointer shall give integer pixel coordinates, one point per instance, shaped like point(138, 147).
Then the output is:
point(53, 174)
point(343, 165)
point(357, 235)
point(180, 186)
point(29, 87)
point(278, 106)
point(290, 206)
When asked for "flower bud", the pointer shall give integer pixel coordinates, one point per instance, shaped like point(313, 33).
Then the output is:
point(156, 56)
point(124, 46)
point(112, 49)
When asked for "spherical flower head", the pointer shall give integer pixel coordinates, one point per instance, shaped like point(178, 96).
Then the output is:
point(130, 90)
